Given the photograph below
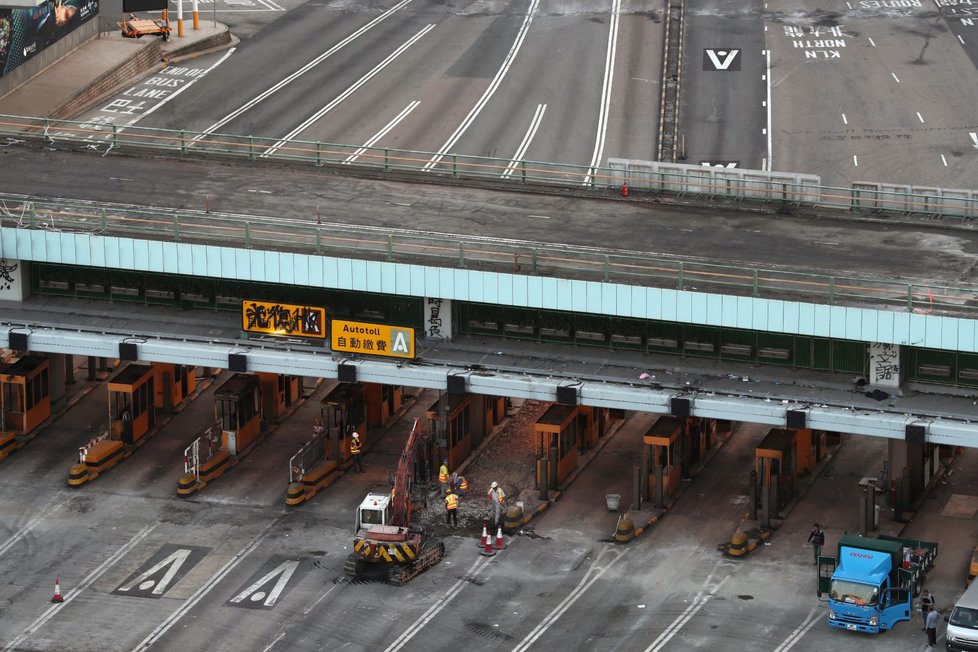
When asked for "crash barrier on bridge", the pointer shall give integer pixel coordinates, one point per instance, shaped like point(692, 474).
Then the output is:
point(268, 232)
point(667, 178)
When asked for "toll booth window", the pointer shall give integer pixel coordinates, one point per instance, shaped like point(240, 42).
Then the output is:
point(459, 428)
point(661, 455)
point(121, 404)
point(229, 415)
point(12, 398)
point(568, 439)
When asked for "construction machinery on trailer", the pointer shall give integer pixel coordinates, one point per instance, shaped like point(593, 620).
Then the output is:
point(384, 534)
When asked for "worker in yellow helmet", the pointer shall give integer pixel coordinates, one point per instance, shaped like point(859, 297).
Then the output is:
point(355, 452)
point(443, 476)
point(451, 508)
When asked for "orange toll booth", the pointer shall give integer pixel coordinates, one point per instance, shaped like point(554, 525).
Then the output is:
point(25, 399)
point(343, 411)
point(557, 443)
point(775, 464)
point(383, 402)
point(453, 436)
point(663, 458)
point(132, 403)
point(279, 391)
point(174, 383)
point(238, 407)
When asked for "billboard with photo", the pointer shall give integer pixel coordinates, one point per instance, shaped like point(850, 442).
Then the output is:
point(26, 32)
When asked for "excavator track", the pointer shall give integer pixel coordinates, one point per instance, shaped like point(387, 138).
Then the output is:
point(431, 553)
point(353, 565)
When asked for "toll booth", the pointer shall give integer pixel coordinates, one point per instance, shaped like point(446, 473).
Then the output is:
point(663, 458)
point(775, 465)
point(493, 411)
point(343, 411)
point(383, 402)
point(132, 403)
point(592, 423)
point(279, 391)
point(557, 441)
point(238, 405)
point(806, 453)
point(25, 399)
point(174, 383)
point(449, 420)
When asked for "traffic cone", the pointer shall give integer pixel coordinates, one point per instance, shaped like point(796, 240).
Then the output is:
point(624, 190)
point(485, 535)
point(500, 544)
point(57, 591)
point(488, 550)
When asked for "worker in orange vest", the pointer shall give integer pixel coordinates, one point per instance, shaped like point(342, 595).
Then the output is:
point(460, 484)
point(443, 476)
point(451, 508)
point(355, 452)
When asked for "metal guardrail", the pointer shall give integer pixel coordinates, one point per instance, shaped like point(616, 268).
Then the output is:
point(734, 185)
point(306, 236)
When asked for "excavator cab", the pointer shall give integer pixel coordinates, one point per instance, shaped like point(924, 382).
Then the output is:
point(374, 510)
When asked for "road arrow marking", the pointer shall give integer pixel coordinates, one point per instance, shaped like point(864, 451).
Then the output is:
point(974, 137)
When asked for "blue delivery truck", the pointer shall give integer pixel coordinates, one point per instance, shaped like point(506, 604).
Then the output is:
point(872, 583)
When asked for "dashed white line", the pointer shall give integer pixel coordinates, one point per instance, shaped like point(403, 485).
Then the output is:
point(542, 217)
point(849, 5)
point(855, 161)
point(383, 132)
point(308, 122)
point(767, 78)
point(872, 42)
point(920, 117)
point(84, 584)
point(895, 77)
point(944, 160)
point(490, 91)
point(527, 138)
point(683, 618)
point(22, 532)
point(800, 631)
point(844, 120)
point(961, 39)
point(609, 72)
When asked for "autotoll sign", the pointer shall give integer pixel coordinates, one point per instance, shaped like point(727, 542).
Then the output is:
point(283, 319)
point(372, 339)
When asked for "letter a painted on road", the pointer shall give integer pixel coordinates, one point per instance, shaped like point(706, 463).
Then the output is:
point(721, 59)
point(268, 585)
point(162, 571)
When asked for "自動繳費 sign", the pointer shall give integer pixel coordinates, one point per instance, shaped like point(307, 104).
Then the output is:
point(372, 339)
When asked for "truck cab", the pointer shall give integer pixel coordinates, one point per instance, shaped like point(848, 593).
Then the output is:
point(374, 510)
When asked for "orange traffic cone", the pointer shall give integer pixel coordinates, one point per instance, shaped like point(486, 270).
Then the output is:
point(624, 190)
point(57, 591)
point(487, 550)
point(500, 544)
point(485, 535)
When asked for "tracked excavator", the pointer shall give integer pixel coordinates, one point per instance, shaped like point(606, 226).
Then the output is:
point(384, 534)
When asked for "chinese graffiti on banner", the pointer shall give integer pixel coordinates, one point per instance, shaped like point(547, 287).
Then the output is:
point(283, 319)
point(438, 318)
point(884, 365)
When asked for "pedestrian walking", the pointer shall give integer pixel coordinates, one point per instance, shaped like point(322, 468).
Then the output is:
point(355, 452)
point(933, 617)
point(451, 508)
point(926, 606)
point(443, 477)
point(817, 539)
point(496, 500)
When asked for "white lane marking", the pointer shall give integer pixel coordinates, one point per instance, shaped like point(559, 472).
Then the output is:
point(527, 138)
point(920, 117)
point(961, 39)
point(844, 120)
point(944, 160)
point(609, 74)
point(206, 588)
point(872, 42)
point(349, 91)
point(683, 618)
point(855, 161)
point(22, 532)
point(848, 4)
point(84, 584)
point(767, 79)
point(572, 597)
point(301, 71)
point(974, 138)
point(800, 631)
point(542, 217)
point(895, 77)
point(405, 112)
point(319, 599)
point(277, 639)
point(442, 602)
point(490, 91)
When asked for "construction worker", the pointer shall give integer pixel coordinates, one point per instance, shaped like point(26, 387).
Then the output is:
point(355, 452)
point(317, 428)
point(460, 484)
point(443, 477)
point(496, 499)
point(451, 508)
